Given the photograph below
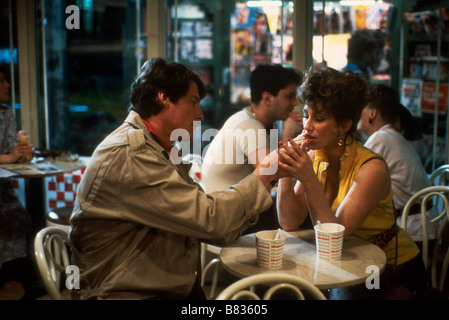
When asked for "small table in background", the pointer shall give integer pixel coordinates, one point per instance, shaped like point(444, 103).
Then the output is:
point(301, 259)
point(34, 174)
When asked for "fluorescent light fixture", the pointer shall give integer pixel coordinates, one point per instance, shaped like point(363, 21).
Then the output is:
point(358, 2)
point(264, 3)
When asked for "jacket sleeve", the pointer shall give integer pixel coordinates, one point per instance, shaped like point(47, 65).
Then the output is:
point(165, 200)
point(141, 185)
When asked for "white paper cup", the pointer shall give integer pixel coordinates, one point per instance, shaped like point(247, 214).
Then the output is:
point(270, 251)
point(329, 240)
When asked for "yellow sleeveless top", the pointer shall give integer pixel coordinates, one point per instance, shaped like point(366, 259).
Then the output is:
point(382, 217)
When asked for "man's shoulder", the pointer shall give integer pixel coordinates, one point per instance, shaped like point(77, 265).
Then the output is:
point(242, 120)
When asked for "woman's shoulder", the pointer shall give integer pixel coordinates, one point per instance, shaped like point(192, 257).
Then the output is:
point(364, 155)
point(363, 152)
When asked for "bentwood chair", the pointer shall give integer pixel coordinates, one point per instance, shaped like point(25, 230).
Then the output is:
point(274, 286)
point(440, 176)
point(52, 254)
point(59, 217)
point(438, 262)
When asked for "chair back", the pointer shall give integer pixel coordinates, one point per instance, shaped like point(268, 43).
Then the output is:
point(52, 254)
point(440, 176)
point(59, 217)
point(425, 195)
point(277, 283)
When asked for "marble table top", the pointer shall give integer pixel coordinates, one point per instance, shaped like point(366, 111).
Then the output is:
point(359, 259)
point(39, 170)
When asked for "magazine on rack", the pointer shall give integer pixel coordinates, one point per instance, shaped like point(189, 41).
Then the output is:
point(411, 95)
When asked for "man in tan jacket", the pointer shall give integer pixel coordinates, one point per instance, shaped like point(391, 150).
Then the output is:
point(139, 218)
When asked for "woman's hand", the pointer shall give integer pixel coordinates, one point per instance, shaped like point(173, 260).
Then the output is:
point(21, 152)
point(294, 158)
point(269, 166)
point(269, 169)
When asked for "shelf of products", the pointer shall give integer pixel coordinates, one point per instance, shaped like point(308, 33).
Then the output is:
point(260, 33)
point(425, 52)
point(196, 37)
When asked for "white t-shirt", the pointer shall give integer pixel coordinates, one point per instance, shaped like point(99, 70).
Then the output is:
point(226, 160)
point(406, 170)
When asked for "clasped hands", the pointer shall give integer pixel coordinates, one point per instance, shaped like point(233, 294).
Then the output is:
point(291, 159)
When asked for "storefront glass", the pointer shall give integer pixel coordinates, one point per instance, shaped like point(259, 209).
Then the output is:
point(8, 52)
point(261, 32)
point(90, 57)
point(334, 23)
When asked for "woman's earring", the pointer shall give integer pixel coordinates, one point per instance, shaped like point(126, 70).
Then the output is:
point(341, 141)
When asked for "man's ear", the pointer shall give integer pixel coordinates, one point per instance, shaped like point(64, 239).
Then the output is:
point(266, 98)
point(372, 115)
point(163, 98)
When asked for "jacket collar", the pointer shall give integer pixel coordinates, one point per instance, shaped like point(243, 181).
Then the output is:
point(136, 121)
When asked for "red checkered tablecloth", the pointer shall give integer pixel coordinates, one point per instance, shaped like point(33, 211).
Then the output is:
point(61, 189)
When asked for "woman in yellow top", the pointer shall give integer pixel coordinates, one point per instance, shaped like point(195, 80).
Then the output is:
point(339, 180)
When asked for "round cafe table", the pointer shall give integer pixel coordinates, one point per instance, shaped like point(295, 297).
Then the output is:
point(359, 259)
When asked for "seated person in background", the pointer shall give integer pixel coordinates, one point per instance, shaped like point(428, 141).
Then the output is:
point(383, 119)
point(139, 218)
point(244, 139)
point(246, 136)
point(16, 246)
point(341, 181)
point(365, 52)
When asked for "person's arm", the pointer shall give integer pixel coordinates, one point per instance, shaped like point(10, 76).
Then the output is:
point(291, 204)
point(13, 151)
point(268, 170)
point(7, 158)
point(371, 185)
point(21, 151)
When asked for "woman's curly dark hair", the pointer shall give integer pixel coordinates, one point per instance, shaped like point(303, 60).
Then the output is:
point(341, 94)
point(158, 75)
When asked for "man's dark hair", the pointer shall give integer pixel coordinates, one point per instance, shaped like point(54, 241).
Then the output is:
point(271, 78)
point(158, 75)
point(386, 101)
point(363, 42)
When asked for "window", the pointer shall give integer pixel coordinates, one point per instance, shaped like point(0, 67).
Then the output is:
point(8, 52)
point(335, 21)
point(91, 53)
